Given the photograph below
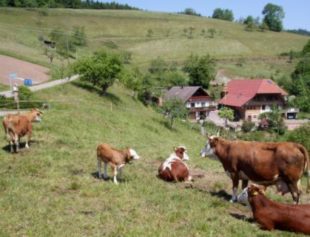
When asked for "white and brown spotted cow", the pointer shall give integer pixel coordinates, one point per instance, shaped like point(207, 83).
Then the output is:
point(174, 168)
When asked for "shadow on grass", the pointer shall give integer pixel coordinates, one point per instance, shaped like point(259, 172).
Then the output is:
point(221, 194)
point(86, 86)
point(242, 217)
point(22, 147)
point(109, 179)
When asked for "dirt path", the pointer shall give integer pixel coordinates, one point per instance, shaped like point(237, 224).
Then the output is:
point(23, 70)
point(44, 85)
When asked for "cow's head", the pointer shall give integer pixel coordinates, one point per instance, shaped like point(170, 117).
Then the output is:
point(250, 192)
point(209, 148)
point(35, 115)
point(181, 152)
point(133, 154)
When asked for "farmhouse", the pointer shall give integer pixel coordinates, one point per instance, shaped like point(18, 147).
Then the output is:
point(250, 98)
point(195, 98)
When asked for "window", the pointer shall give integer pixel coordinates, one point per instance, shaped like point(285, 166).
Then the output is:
point(193, 105)
point(263, 107)
point(203, 104)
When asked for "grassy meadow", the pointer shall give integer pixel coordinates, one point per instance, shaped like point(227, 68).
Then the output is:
point(52, 190)
point(148, 35)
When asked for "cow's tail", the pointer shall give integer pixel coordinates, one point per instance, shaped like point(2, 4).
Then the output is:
point(6, 129)
point(307, 165)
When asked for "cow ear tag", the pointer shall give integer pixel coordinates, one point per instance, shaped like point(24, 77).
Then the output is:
point(255, 193)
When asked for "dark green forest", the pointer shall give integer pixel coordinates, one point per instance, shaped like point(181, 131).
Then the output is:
point(88, 4)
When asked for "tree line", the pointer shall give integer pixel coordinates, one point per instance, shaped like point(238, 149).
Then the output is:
point(88, 4)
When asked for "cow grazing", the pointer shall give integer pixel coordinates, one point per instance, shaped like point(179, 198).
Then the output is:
point(265, 163)
point(272, 215)
point(116, 158)
point(19, 125)
point(174, 167)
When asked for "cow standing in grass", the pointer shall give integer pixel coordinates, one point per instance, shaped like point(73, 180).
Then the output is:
point(265, 163)
point(19, 125)
point(115, 158)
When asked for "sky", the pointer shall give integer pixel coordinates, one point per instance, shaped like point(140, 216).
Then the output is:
point(297, 12)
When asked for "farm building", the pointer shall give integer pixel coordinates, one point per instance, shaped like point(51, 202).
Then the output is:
point(195, 98)
point(250, 98)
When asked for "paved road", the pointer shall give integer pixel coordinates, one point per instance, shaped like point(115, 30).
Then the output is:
point(44, 85)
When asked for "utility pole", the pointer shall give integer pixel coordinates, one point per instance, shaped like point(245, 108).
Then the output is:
point(16, 95)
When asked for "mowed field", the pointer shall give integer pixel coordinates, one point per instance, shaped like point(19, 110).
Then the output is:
point(52, 190)
point(129, 31)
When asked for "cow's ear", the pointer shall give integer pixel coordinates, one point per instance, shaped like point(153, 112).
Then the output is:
point(215, 140)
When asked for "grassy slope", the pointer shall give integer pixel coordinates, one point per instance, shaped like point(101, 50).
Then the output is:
point(128, 31)
point(49, 190)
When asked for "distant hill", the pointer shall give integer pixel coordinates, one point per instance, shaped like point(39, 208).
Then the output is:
point(144, 36)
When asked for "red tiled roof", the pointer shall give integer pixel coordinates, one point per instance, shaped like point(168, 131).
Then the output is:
point(270, 87)
point(236, 100)
point(241, 91)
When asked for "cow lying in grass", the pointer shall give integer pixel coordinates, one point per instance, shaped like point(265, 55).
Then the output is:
point(19, 125)
point(115, 158)
point(272, 215)
point(174, 168)
point(265, 163)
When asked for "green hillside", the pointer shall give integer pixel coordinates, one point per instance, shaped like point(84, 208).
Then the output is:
point(146, 35)
point(50, 190)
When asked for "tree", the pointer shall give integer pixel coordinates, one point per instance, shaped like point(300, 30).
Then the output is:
point(227, 114)
point(190, 11)
point(174, 109)
point(263, 26)
point(132, 79)
point(175, 78)
point(273, 16)
point(249, 20)
point(223, 14)
point(275, 120)
point(201, 70)
point(101, 69)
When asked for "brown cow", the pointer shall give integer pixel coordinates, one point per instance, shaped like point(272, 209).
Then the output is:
point(173, 168)
point(19, 125)
point(272, 215)
point(116, 158)
point(265, 163)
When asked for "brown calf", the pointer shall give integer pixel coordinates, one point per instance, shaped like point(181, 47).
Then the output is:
point(272, 215)
point(115, 158)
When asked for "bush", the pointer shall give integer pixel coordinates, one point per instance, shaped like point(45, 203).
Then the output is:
point(26, 98)
point(300, 135)
point(247, 126)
